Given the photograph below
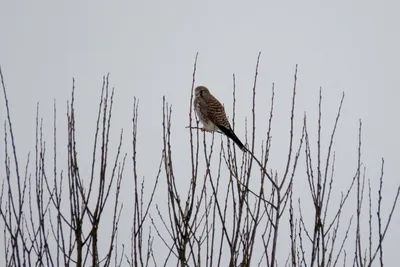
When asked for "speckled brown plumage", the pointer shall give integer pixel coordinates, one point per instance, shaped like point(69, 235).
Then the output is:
point(212, 114)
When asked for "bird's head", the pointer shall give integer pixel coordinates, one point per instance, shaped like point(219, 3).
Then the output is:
point(200, 90)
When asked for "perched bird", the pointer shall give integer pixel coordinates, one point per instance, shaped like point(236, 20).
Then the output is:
point(212, 114)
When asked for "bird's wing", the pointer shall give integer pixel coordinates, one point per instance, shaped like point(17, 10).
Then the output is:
point(215, 111)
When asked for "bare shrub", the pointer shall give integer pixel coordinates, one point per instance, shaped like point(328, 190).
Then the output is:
point(234, 211)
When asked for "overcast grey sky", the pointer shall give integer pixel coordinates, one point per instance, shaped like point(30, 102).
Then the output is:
point(149, 49)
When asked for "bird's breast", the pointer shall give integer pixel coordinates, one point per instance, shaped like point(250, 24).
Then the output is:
point(209, 126)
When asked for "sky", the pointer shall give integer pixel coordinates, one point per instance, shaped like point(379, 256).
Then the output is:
point(149, 47)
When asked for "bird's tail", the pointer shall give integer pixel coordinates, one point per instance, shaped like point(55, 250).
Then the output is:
point(229, 132)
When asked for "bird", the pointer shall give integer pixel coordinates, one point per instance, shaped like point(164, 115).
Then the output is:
point(212, 114)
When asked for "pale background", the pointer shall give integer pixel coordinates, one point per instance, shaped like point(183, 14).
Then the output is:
point(149, 49)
